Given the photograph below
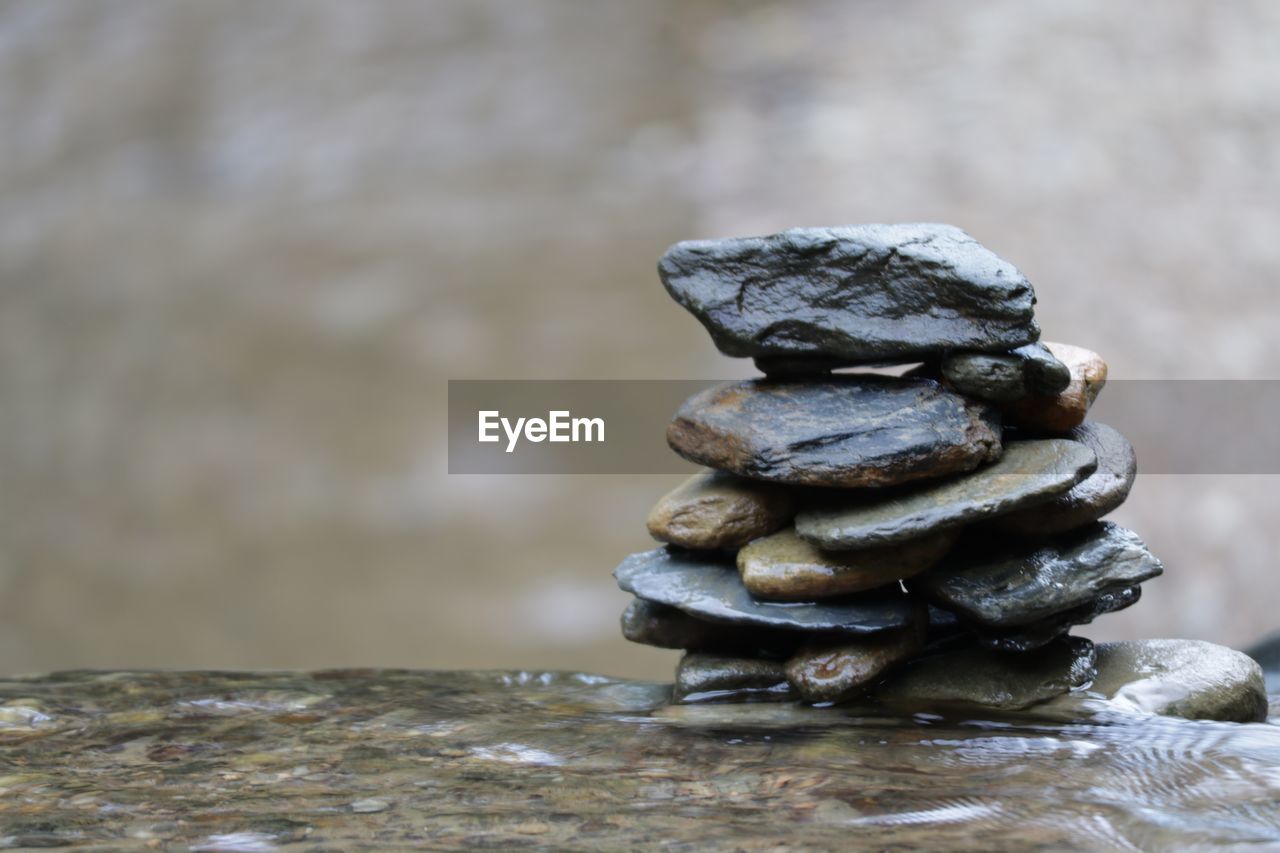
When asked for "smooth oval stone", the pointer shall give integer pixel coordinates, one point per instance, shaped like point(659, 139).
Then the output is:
point(861, 293)
point(842, 431)
point(707, 586)
point(1029, 637)
point(713, 509)
point(1177, 678)
point(1090, 499)
point(702, 677)
point(1027, 473)
point(665, 627)
point(1004, 377)
point(1012, 585)
point(833, 670)
point(977, 677)
point(1063, 412)
point(784, 567)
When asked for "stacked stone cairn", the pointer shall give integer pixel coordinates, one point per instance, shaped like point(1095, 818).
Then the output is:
point(926, 538)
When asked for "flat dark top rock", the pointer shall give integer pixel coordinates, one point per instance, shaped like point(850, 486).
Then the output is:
point(708, 587)
point(360, 759)
point(1027, 473)
point(841, 431)
point(856, 294)
point(1019, 584)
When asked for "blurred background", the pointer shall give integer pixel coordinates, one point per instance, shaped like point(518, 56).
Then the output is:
point(244, 245)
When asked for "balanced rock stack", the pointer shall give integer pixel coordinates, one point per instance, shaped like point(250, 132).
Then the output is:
point(923, 539)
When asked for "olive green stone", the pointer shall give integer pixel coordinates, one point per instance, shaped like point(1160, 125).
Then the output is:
point(1029, 472)
point(1179, 678)
point(702, 676)
point(784, 567)
point(846, 430)
point(1090, 499)
point(713, 509)
point(982, 678)
point(832, 670)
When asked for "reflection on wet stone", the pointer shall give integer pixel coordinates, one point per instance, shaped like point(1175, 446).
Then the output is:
point(329, 760)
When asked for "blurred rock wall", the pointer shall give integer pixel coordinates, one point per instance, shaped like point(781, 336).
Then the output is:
point(244, 245)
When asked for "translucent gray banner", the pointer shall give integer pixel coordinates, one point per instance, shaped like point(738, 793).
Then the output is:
point(607, 426)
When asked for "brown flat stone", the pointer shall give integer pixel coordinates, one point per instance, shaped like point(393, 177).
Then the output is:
point(784, 567)
point(714, 509)
point(847, 431)
point(1063, 412)
point(830, 671)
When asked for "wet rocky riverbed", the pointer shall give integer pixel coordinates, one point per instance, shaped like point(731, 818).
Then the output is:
point(361, 758)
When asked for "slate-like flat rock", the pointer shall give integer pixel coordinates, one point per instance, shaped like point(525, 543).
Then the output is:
point(861, 293)
point(1026, 638)
point(665, 627)
point(1012, 585)
point(1176, 678)
point(976, 677)
point(842, 431)
point(830, 671)
point(784, 567)
point(707, 586)
point(1027, 473)
point(1003, 377)
point(702, 677)
point(1090, 499)
point(1065, 411)
point(713, 509)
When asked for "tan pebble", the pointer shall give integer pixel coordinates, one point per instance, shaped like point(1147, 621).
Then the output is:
point(713, 509)
point(1066, 411)
point(784, 567)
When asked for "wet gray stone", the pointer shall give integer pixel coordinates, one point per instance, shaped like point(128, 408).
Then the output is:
point(707, 586)
point(666, 627)
point(713, 509)
point(842, 431)
point(1177, 678)
point(862, 293)
point(1004, 377)
point(1090, 499)
point(1027, 473)
point(1060, 413)
point(986, 679)
point(1029, 637)
point(1010, 585)
point(702, 677)
point(833, 670)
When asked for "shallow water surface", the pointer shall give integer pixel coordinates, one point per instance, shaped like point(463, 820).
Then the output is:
point(232, 761)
